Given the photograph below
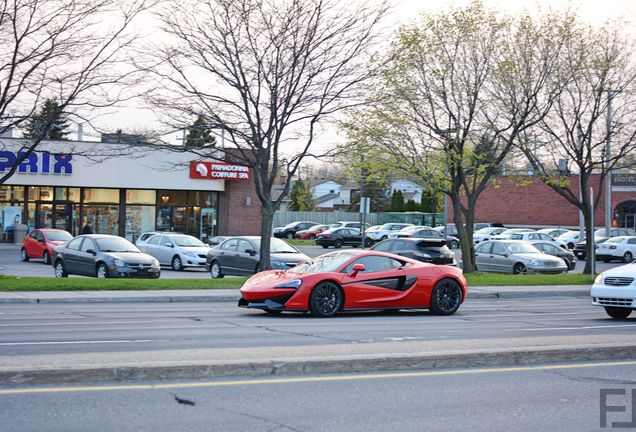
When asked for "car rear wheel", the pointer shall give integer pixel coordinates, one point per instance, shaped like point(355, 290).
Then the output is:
point(177, 264)
point(519, 268)
point(368, 243)
point(47, 257)
point(337, 244)
point(215, 270)
point(102, 271)
point(446, 297)
point(453, 244)
point(60, 270)
point(628, 257)
point(24, 256)
point(325, 300)
point(618, 313)
point(289, 235)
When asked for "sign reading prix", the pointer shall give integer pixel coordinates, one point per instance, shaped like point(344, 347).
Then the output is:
point(218, 171)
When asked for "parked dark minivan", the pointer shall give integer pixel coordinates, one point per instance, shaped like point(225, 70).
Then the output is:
point(429, 250)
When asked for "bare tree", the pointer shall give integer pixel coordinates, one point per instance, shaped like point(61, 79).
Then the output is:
point(596, 67)
point(264, 72)
point(72, 51)
point(462, 88)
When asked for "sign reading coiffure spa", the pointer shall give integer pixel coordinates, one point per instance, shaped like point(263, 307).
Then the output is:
point(218, 171)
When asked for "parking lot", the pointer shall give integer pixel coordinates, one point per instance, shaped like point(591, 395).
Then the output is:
point(10, 264)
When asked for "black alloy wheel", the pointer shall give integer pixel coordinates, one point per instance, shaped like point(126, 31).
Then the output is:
point(337, 244)
point(47, 257)
point(628, 257)
point(519, 268)
point(446, 297)
point(215, 270)
point(325, 300)
point(618, 313)
point(177, 265)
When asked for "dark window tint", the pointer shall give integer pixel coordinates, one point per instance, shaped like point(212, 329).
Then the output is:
point(374, 263)
point(384, 246)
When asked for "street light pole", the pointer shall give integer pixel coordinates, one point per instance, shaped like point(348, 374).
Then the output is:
point(608, 172)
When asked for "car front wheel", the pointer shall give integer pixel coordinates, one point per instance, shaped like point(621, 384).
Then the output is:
point(177, 265)
point(24, 256)
point(519, 268)
point(102, 271)
point(446, 297)
point(337, 244)
point(325, 300)
point(215, 270)
point(60, 270)
point(618, 313)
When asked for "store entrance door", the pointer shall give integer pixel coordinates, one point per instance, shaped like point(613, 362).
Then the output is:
point(629, 221)
point(63, 215)
point(44, 214)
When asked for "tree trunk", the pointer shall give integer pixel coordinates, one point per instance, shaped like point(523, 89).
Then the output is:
point(267, 219)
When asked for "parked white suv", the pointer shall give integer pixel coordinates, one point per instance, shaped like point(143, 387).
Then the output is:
point(382, 233)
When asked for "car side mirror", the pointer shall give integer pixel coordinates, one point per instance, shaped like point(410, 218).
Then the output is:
point(252, 252)
point(41, 241)
point(357, 268)
point(91, 251)
point(170, 245)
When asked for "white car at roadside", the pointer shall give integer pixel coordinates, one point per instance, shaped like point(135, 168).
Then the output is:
point(622, 248)
point(537, 236)
point(382, 232)
point(176, 250)
point(485, 234)
point(615, 290)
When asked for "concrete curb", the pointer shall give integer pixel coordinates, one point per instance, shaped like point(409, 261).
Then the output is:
point(235, 297)
point(314, 366)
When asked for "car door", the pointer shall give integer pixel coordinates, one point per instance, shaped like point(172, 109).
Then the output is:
point(70, 255)
point(382, 281)
point(483, 257)
point(631, 246)
point(31, 244)
point(500, 261)
point(166, 250)
point(151, 246)
point(85, 259)
point(226, 256)
point(245, 263)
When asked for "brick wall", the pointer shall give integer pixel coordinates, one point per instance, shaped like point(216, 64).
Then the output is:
point(528, 201)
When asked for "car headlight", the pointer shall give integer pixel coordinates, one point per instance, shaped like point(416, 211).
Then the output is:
point(277, 265)
point(294, 283)
point(599, 279)
point(535, 262)
point(190, 254)
point(155, 263)
point(119, 263)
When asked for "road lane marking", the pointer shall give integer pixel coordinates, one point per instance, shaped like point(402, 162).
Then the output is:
point(84, 342)
point(329, 378)
point(579, 328)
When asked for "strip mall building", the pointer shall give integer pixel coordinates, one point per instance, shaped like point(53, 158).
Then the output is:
point(118, 191)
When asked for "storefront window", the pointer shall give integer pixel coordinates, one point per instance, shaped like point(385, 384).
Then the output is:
point(139, 219)
point(101, 196)
point(102, 219)
point(37, 193)
point(67, 194)
point(135, 196)
point(202, 198)
point(11, 193)
point(167, 197)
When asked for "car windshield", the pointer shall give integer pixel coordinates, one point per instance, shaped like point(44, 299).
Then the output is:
point(277, 245)
point(324, 263)
point(115, 245)
point(522, 248)
point(386, 226)
point(187, 241)
point(58, 236)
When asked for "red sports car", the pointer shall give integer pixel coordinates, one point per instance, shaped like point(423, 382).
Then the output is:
point(311, 233)
point(356, 280)
point(41, 242)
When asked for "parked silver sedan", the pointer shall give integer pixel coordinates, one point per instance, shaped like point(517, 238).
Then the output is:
point(176, 250)
point(516, 257)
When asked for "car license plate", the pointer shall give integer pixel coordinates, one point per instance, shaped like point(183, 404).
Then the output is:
point(580, 254)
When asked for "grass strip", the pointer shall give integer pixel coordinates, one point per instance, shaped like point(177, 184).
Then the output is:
point(494, 279)
point(17, 283)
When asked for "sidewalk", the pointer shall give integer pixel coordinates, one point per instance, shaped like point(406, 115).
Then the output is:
point(233, 295)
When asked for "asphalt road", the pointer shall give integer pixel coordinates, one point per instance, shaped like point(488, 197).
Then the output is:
point(44, 329)
point(11, 264)
point(563, 398)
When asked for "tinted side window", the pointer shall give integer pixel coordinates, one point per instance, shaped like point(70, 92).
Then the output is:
point(39, 235)
point(244, 245)
point(33, 234)
point(230, 244)
point(499, 249)
point(74, 244)
point(88, 244)
point(631, 241)
point(374, 264)
point(484, 248)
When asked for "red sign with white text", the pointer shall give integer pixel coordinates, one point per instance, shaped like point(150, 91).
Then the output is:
point(218, 171)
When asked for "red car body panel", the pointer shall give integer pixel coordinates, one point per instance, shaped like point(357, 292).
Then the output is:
point(361, 291)
point(35, 249)
point(308, 233)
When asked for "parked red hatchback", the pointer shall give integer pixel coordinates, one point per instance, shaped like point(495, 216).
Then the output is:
point(41, 242)
point(311, 233)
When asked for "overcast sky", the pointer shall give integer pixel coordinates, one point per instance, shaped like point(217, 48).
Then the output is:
point(596, 11)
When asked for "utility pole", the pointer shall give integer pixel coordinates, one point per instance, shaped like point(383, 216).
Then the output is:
point(608, 171)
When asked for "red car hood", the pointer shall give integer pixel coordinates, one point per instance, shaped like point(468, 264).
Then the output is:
point(268, 279)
